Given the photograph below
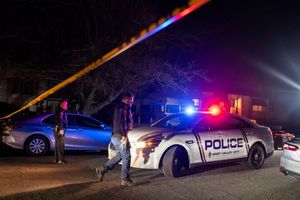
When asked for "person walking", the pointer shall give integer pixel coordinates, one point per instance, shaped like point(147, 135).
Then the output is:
point(60, 125)
point(122, 124)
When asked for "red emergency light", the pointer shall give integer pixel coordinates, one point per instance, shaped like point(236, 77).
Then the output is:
point(214, 110)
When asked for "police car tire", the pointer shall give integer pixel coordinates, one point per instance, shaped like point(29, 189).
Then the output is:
point(42, 139)
point(256, 157)
point(174, 162)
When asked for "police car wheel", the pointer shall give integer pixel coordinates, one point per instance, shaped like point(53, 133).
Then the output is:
point(256, 157)
point(175, 161)
point(37, 145)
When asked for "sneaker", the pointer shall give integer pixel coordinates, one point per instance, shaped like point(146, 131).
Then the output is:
point(100, 171)
point(55, 161)
point(127, 182)
point(62, 162)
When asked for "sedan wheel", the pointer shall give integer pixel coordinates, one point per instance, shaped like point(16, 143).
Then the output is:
point(256, 157)
point(37, 145)
point(175, 162)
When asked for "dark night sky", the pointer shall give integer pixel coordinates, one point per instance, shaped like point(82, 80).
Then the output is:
point(251, 44)
point(241, 43)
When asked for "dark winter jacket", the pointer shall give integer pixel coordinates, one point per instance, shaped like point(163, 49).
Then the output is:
point(123, 121)
point(61, 120)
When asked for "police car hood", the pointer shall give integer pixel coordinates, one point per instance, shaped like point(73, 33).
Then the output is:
point(142, 133)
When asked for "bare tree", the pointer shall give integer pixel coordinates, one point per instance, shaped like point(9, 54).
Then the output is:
point(64, 36)
point(134, 71)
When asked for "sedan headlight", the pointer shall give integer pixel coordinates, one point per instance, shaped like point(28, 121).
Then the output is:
point(146, 144)
point(141, 144)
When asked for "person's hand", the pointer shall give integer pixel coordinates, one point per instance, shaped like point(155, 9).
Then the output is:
point(61, 132)
point(124, 139)
point(124, 143)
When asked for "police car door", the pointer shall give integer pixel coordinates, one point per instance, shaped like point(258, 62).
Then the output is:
point(219, 140)
point(234, 143)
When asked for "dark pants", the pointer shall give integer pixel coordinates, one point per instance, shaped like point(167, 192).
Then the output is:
point(59, 146)
point(122, 154)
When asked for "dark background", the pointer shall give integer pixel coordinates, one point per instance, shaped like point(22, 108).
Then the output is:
point(249, 46)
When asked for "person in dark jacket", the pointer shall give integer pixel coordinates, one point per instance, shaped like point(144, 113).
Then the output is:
point(60, 125)
point(122, 124)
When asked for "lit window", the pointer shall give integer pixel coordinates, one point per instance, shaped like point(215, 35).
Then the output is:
point(257, 108)
point(233, 110)
point(236, 106)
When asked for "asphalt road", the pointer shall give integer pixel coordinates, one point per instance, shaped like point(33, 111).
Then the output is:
point(25, 177)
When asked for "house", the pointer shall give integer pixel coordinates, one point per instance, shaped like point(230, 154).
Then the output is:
point(151, 107)
point(268, 109)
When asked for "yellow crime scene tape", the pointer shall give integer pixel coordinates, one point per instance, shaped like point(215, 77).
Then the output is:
point(152, 29)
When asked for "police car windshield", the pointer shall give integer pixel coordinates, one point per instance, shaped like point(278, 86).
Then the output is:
point(178, 121)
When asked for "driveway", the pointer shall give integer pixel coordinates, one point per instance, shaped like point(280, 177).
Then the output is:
point(25, 177)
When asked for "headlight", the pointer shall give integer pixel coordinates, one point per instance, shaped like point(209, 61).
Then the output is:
point(139, 144)
point(148, 141)
point(146, 144)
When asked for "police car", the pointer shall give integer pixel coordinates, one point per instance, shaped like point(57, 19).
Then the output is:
point(180, 141)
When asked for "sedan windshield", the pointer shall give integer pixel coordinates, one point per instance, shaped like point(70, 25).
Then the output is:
point(178, 121)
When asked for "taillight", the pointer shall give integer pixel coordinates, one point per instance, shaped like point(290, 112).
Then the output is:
point(290, 147)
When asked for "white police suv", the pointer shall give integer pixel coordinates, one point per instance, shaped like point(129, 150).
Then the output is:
point(183, 140)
